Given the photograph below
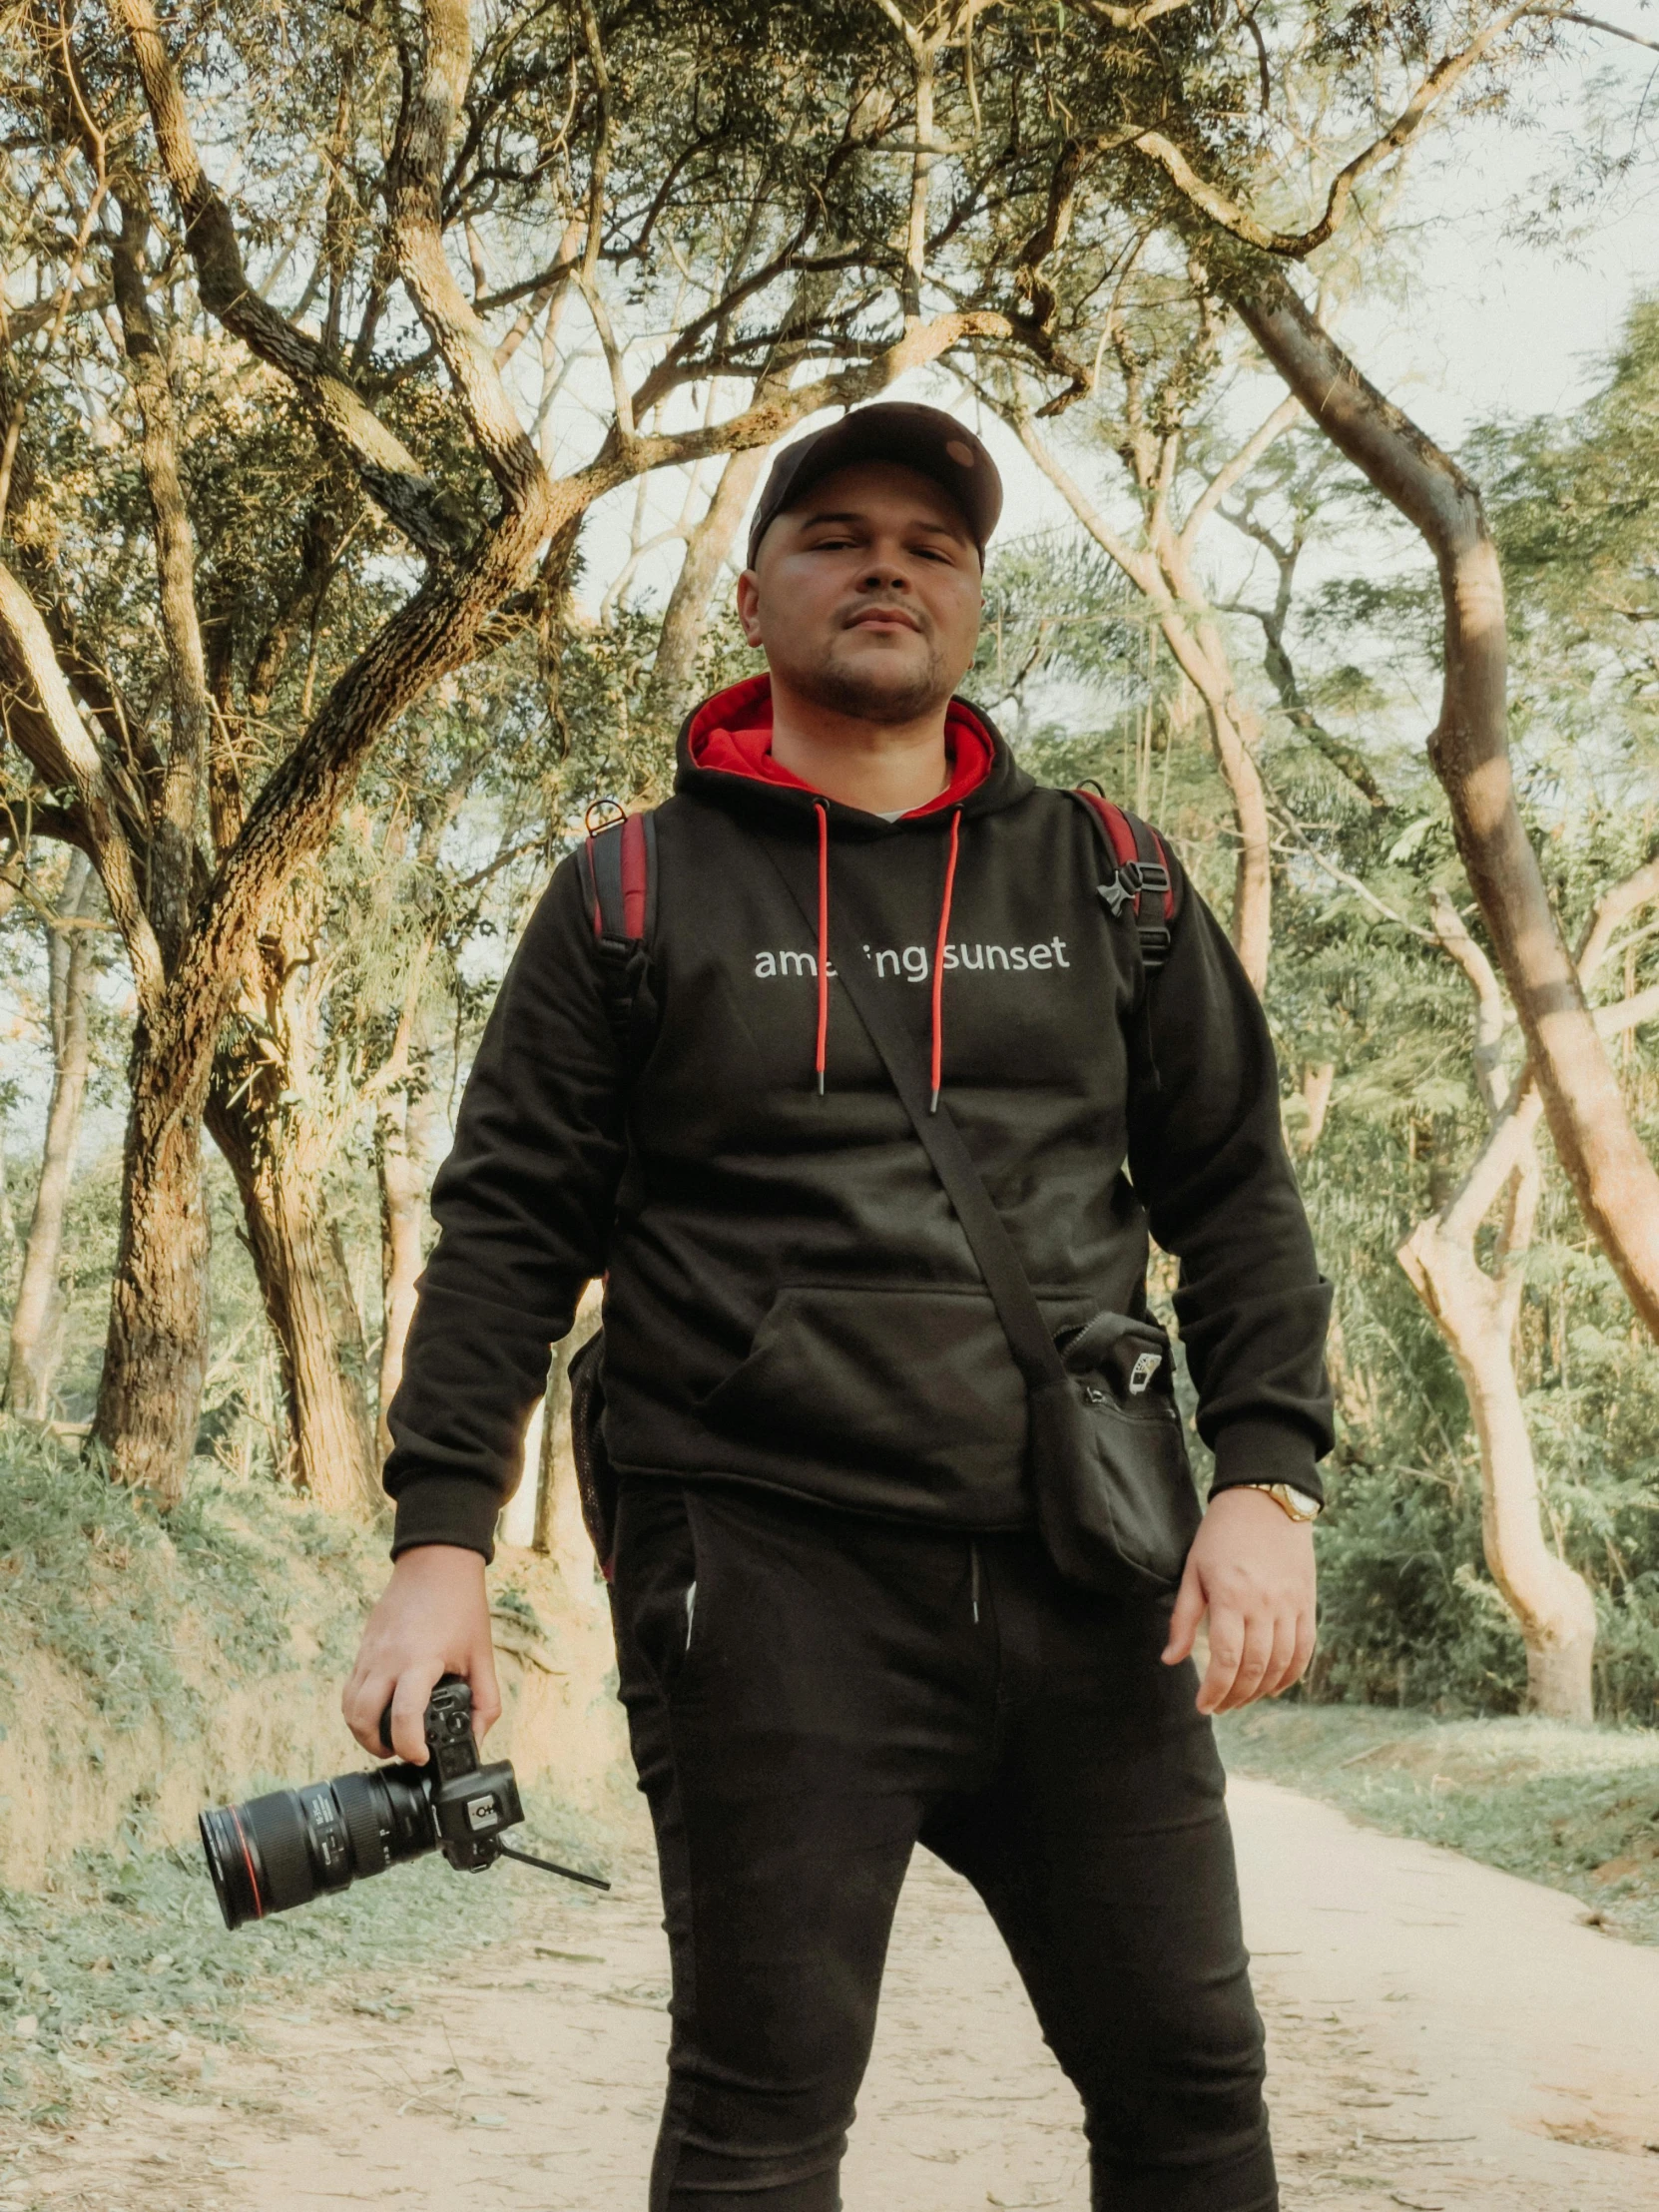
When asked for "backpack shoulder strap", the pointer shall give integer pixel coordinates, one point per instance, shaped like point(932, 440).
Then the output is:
point(1141, 878)
point(619, 869)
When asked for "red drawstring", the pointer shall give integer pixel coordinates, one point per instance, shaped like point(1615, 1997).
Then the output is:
point(938, 949)
point(823, 938)
point(939, 959)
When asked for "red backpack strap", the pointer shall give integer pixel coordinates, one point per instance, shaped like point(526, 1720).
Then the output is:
point(1140, 878)
point(619, 870)
point(619, 864)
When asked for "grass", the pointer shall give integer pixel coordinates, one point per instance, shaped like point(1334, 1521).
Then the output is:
point(126, 1979)
point(120, 1976)
point(92, 1573)
point(1576, 1808)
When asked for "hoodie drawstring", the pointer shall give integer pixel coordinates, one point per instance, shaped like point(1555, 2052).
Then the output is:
point(823, 814)
point(822, 1057)
point(938, 957)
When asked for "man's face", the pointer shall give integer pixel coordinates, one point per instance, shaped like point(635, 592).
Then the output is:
point(865, 596)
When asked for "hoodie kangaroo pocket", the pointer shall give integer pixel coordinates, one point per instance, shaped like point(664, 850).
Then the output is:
point(891, 1380)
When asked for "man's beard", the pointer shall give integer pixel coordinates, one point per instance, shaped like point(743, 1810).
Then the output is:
point(863, 695)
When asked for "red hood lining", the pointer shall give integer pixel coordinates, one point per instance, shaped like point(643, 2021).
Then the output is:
point(732, 736)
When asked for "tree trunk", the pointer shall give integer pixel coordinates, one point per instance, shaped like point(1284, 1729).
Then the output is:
point(304, 1280)
point(1164, 578)
point(1552, 1604)
point(406, 1134)
point(1612, 1178)
point(559, 1530)
point(156, 1353)
point(37, 1315)
point(1318, 1080)
point(673, 669)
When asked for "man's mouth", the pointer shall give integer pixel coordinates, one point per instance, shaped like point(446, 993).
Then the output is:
point(885, 618)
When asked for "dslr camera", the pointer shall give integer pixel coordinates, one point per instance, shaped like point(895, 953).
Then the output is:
point(283, 1850)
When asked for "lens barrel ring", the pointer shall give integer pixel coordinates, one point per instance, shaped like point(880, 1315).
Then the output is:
point(361, 1799)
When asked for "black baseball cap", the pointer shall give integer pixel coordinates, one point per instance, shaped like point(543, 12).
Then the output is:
point(923, 438)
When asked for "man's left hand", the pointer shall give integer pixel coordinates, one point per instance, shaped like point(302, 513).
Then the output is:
point(1250, 1569)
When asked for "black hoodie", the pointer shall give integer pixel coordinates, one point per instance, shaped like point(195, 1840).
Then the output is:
point(789, 1300)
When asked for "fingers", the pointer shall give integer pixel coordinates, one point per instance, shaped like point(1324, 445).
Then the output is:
point(1184, 1620)
point(1276, 1675)
point(408, 1712)
point(1306, 1636)
point(487, 1691)
point(1226, 1648)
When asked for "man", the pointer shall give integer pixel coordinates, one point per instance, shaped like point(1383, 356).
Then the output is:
point(839, 1630)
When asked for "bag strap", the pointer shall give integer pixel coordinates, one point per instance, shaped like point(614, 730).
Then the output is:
point(619, 870)
point(1140, 871)
point(1016, 1305)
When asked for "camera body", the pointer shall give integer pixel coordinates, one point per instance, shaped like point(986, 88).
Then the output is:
point(283, 1850)
point(471, 1803)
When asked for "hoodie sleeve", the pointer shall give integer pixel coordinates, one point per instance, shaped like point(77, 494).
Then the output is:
point(1208, 1160)
point(523, 1204)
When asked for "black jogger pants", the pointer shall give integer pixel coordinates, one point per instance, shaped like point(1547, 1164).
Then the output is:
point(809, 1695)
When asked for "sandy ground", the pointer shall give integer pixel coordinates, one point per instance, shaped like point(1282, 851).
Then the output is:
point(1441, 2036)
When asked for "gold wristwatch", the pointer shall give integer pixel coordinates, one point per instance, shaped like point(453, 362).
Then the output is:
point(1288, 1499)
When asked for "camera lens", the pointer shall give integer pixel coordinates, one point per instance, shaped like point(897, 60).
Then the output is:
point(283, 1849)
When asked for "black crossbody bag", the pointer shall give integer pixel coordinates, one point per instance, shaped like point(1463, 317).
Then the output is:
point(1116, 1504)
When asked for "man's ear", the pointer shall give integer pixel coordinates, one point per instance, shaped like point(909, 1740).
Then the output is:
point(748, 606)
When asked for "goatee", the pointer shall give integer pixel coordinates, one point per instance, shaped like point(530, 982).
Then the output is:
point(866, 697)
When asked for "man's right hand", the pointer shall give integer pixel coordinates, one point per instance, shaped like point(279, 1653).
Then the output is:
point(434, 1618)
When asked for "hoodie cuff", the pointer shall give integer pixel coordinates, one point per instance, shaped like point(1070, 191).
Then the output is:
point(1266, 1451)
point(447, 1509)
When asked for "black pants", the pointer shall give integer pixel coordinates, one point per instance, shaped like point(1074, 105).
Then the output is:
point(809, 1695)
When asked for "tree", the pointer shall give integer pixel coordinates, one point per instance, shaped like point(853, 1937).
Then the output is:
point(380, 154)
point(1476, 1310)
point(35, 1309)
point(1207, 187)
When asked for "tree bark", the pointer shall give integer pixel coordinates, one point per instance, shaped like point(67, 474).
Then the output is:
point(1476, 1312)
point(681, 637)
point(1162, 572)
point(37, 1315)
point(559, 1530)
point(306, 1285)
point(156, 1352)
point(1551, 1601)
point(1318, 1080)
point(406, 1136)
point(1612, 1178)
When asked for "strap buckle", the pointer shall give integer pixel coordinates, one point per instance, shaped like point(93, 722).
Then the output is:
point(1116, 894)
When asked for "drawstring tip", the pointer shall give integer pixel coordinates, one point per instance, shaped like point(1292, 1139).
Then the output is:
point(820, 1082)
point(934, 1102)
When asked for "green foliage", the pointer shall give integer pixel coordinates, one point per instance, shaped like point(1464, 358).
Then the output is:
point(92, 1574)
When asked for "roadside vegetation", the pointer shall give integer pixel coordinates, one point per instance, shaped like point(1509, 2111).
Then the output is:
point(1575, 1807)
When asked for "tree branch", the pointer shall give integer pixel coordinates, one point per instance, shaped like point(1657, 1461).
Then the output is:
point(389, 473)
point(46, 724)
point(1446, 74)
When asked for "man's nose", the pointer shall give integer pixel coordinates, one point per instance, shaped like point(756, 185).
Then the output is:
point(888, 573)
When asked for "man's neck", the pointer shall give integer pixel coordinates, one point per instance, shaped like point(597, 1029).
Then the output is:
point(882, 768)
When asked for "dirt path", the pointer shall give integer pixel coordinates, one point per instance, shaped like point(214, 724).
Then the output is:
point(1443, 2037)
